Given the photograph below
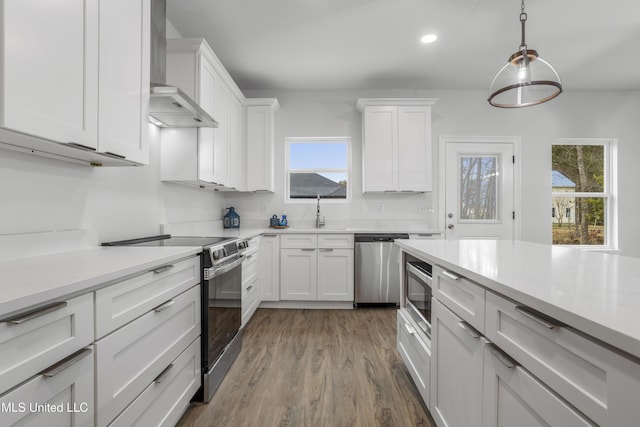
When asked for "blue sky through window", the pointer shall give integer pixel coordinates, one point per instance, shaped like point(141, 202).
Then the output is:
point(318, 156)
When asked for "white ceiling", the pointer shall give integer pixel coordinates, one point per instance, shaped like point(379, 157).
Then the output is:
point(374, 44)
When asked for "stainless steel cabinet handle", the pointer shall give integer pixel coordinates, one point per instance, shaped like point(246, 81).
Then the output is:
point(506, 360)
point(308, 249)
point(410, 329)
point(326, 250)
point(163, 307)
point(468, 329)
point(450, 275)
point(162, 269)
point(35, 313)
point(163, 374)
point(66, 363)
point(526, 313)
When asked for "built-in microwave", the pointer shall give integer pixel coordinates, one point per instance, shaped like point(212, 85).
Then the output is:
point(418, 293)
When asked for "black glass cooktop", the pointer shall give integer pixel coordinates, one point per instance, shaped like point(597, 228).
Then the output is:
point(169, 240)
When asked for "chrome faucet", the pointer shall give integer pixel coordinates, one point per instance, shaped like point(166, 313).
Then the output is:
point(319, 222)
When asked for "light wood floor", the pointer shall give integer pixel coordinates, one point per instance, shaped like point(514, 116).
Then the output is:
point(316, 368)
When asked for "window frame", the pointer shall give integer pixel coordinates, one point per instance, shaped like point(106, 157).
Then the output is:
point(609, 193)
point(315, 140)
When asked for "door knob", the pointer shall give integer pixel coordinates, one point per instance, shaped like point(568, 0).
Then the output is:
point(450, 226)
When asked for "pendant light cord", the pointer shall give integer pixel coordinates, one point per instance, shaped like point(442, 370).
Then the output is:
point(523, 20)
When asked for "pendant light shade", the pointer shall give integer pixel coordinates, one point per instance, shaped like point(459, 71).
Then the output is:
point(526, 79)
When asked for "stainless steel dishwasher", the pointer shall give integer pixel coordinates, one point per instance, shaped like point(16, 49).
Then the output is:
point(377, 269)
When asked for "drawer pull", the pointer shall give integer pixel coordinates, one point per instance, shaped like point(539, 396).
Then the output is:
point(249, 288)
point(526, 313)
point(163, 307)
point(468, 329)
point(66, 363)
point(506, 360)
point(269, 235)
point(450, 275)
point(35, 313)
point(308, 249)
point(410, 329)
point(326, 250)
point(162, 269)
point(163, 374)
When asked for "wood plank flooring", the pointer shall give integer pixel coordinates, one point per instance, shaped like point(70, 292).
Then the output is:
point(316, 368)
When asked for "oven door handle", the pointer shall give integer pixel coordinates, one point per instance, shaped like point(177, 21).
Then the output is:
point(424, 277)
point(215, 272)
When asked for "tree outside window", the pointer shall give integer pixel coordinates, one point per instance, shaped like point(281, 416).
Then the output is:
point(581, 192)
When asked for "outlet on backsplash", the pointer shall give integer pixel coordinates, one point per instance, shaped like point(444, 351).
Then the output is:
point(379, 208)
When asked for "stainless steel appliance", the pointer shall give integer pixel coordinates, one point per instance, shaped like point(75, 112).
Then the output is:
point(418, 294)
point(221, 292)
point(377, 269)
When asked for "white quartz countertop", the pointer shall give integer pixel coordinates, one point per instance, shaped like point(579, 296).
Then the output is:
point(32, 281)
point(596, 293)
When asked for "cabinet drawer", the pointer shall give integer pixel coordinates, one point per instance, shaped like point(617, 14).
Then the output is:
point(61, 395)
point(463, 297)
point(601, 383)
point(249, 269)
point(298, 241)
point(513, 397)
point(122, 302)
point(250, 300)
point(335, 241)
point(131, 357)
point(416, 354)
point(37, 339)
point(166, 398)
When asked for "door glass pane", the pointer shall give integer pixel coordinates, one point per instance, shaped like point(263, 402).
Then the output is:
point(478, 188)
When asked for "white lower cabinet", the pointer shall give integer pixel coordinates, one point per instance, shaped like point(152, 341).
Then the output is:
point(250, 281)
point(316, 267)
point(456, 370)
point(36, 339)
point(132, 357)
point(414, 348)
point(514, 397)
point(269, 267)
point(298, 274)
point(60, 396)
point(166, 398)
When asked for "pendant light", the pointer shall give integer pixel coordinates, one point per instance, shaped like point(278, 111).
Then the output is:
point(526, 79)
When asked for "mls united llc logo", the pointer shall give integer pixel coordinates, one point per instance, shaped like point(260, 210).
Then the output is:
point(22, 407)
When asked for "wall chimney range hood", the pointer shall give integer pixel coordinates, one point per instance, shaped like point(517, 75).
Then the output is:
point(168, 105)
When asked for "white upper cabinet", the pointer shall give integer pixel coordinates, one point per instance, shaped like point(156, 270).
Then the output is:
point(207, 157)
point(396, 144)
point(124, 79)
point(50, 69)
point(76, 74)
point(260, 144)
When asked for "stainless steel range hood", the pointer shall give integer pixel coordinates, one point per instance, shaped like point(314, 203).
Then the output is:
point(168, 105)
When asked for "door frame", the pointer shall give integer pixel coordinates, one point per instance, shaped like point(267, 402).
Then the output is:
point(515, 141)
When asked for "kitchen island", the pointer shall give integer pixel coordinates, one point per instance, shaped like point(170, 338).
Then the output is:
point(531, 329)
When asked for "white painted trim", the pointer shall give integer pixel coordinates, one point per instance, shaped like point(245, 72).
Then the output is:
point(311, 139)
point(517, 174)
point(610, 190)
point(395, 102)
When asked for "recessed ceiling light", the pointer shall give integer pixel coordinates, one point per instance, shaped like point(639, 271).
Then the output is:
point(429, 38)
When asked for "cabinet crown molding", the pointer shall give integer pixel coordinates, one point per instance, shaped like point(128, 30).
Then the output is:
point(384, 102)
point(263, 102)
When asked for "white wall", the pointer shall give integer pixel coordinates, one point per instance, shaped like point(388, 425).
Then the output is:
point(572, 114)
point(40, 194)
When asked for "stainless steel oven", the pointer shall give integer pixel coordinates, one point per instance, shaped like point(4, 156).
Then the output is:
point(418, 281)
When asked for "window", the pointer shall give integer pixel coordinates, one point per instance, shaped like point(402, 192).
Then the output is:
point(583, 192)
point(318, 167)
